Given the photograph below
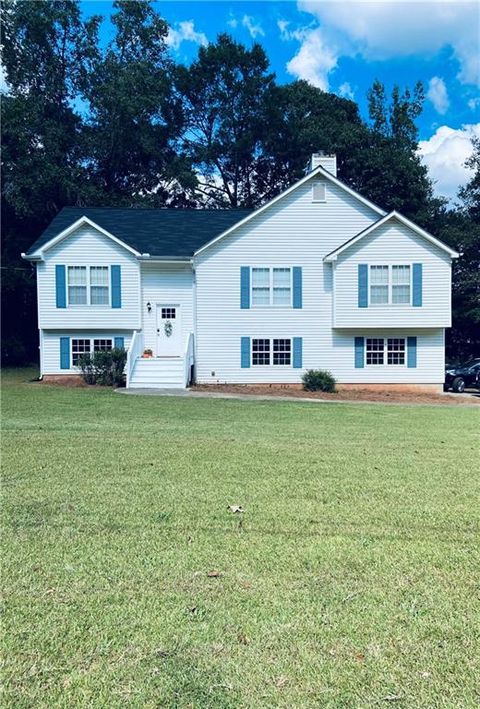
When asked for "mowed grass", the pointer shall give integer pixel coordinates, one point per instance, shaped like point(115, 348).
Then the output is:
point(351, 579)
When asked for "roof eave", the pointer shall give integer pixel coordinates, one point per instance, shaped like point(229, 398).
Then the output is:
point(333, 255)
point(38, 255)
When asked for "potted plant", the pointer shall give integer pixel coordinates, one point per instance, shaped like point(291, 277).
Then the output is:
point(147, 354)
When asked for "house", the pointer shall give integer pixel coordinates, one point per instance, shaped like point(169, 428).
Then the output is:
point(319, 277)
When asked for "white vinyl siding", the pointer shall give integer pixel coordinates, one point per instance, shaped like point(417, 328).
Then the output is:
point(397, 247)
point(84, 248)
point(93, 339)
point(294, 231)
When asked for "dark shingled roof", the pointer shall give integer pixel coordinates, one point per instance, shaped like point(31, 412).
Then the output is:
point(158, 232)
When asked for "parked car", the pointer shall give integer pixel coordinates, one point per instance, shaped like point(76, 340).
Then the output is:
point(457, 377)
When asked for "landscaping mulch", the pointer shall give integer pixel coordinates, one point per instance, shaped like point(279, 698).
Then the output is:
point(400, 397)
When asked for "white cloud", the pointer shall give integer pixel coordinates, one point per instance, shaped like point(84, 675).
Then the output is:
point(474, 103)
point(185, 33)
point(437, 94)
point(445, 153)
point(255, 29)
point(232, 22)
point(282, 26)
point(392, 28)
point(314, 60)
point(346, 90)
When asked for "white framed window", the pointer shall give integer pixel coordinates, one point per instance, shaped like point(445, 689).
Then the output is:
point(401, 287)
point(319, 192)
point(99, 280)
point(390, 284)
point(266, 351)
point(396, 350)
point(77, 285)
point(380, 351)
point(88, 285)
point(271, 286)
point(282, 351)
point(374, 350)
point(81, 346)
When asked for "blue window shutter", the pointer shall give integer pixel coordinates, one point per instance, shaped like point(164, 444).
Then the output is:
point(359, 353)
point(119, 343)
point(417, 285)
point(115, 273)
point(60, 286)
point(245, 352)
point(411, 352)
point(363, 285)
point(244, 287)
point(297, 353)
point(64, 353)
point(297, 286)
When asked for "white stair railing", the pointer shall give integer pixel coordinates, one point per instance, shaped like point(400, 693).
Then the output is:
point(189, 359)
point(133, 352)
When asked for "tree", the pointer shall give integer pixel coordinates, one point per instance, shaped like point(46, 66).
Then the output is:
point(46, 51)
point(460, 228)
point(134, 119)
point(300, 120)
point(224, 94)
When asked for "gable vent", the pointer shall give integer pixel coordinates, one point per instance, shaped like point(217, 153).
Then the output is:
point(319, 192)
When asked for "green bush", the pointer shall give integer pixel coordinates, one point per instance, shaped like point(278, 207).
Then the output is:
point(104, 368)
point(318, 380)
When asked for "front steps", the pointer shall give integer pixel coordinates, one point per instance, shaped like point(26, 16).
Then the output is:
point(158, 373)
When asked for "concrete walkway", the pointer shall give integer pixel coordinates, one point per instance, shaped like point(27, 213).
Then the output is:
point(265, 397)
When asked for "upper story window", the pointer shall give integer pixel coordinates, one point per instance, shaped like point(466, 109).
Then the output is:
point(319, 192)
point(390, 285)
point(88, 285)
point(272, 286)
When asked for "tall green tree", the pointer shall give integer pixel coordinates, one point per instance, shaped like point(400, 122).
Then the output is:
point(47, 50)
point(135, 119)
point(224, 94)
point(300, 120)
point(460, 228)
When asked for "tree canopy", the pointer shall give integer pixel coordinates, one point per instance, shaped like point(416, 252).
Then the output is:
point(123, 124)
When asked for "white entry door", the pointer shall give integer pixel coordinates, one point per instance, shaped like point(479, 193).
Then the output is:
point(169, 331)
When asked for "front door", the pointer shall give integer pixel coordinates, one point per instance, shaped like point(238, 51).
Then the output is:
point(168, 331)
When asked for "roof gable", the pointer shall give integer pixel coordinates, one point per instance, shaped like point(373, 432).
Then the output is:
point(318, 171)
point(333, 255)
point(163, 233)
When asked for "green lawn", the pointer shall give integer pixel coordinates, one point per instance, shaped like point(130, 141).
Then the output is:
point(351, 580)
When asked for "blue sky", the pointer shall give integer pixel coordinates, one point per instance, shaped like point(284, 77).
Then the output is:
point(343, 45)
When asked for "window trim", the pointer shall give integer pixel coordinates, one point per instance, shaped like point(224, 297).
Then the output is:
point(271, 304)
point(88, 286)
point(389, 265)
point(91, 340)
point(385, 340)
point(271, 352)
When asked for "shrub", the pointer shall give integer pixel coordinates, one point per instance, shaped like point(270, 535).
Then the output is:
point(104, 367)
point(318, 380)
